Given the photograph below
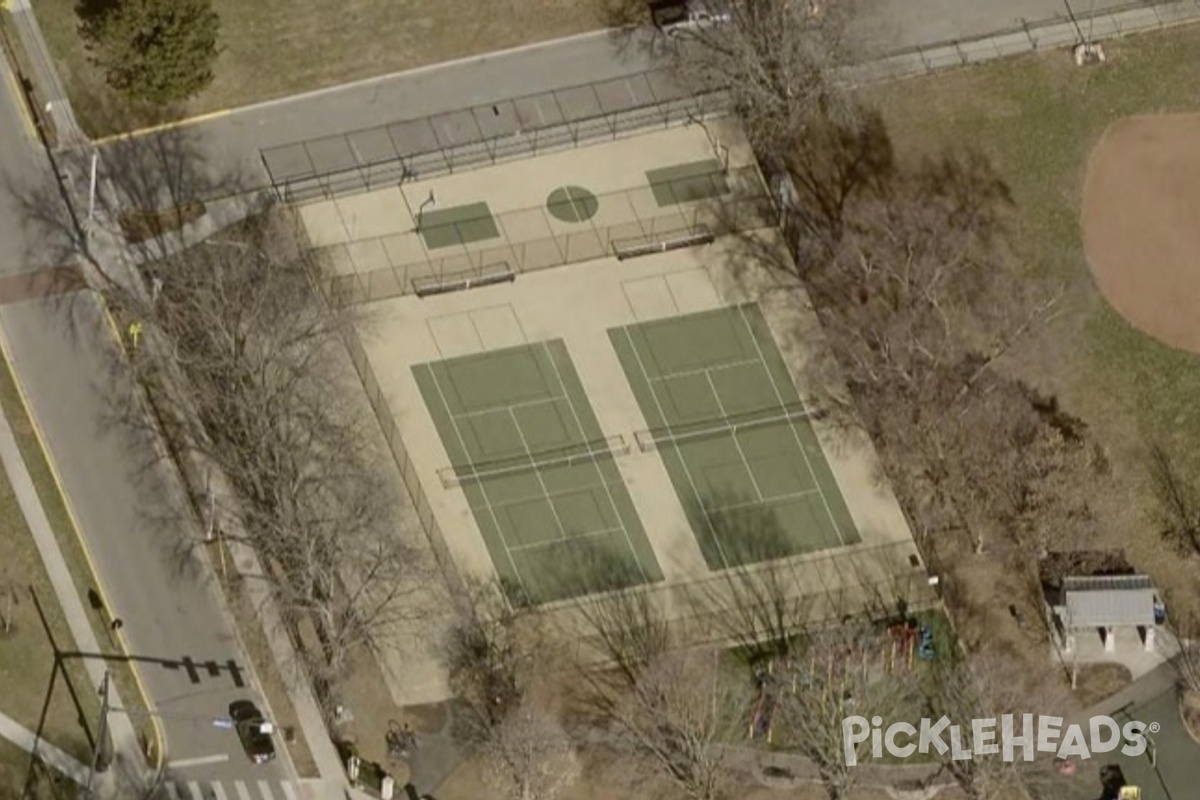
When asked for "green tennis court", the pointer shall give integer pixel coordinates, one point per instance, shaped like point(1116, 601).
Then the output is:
point(458, 225)
point(734, 436)
point(538, 473)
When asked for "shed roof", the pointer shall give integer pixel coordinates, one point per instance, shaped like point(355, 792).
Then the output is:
point(1102, 601)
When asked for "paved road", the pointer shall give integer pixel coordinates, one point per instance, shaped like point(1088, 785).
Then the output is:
point(230, 144)
point(169, 609)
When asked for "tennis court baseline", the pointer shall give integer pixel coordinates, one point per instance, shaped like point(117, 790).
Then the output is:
point(734, 436)
point(538, 474)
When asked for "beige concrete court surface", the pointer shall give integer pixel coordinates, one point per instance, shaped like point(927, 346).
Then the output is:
point(373, 235)
point(578, 304)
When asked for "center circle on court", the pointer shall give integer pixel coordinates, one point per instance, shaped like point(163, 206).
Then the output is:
point(572, 204)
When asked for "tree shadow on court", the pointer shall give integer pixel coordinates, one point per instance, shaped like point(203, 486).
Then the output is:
point(585, 567)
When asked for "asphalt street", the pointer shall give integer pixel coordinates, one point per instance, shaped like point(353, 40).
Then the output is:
point(229, 145)
point(62, 355)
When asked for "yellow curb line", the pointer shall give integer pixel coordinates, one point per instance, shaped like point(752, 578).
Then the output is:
point(165, 126)
point(160, 738)
point(22, 105)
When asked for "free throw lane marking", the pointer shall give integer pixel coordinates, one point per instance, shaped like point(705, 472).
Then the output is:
point(265, 788)
point(218, 792)
point(194, 788)
point(243, 792)
point(200, 761)
point(172, 792)
point(289, 792)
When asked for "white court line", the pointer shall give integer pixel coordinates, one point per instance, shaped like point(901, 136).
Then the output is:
point(705, 370)
point(712, 532)
point(494, 409)
point(288, 791)
point(792, 426)
point(733, 435)
point(243, 792)
point(765, 500)
point(200, 761)
point(195, 790)
point(218, 791)
point(172, 791)
point(265, 788)
point(467, 453)
point(560, 540)
point(541, 481)
point(595, 462)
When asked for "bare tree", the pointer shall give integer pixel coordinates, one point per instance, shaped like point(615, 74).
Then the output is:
point(488, 653)
point(989, 686)
point(838, 672)
point(245, 365)
point(678, 716)
point(530, 755)
point(1178, 505)
point(777, 59)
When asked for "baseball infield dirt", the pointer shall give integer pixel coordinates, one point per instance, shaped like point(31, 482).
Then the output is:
point(1141, 224)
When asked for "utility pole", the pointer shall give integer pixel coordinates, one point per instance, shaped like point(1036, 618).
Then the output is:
point(102, 731)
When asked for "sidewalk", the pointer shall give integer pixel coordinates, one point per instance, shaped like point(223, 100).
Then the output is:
point(128, 757)
point(108, 248)
point(50, 88)
point(28, 741)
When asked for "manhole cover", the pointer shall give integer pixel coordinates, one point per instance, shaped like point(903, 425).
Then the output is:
point(572, 204)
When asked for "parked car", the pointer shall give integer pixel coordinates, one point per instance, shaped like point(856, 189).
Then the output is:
point(253, 730)
point(674, 16)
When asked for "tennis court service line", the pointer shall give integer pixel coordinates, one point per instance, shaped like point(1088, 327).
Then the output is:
point(502, 406)
point(705, 370)
point(712, 532)
point(733, 435)
point(792, 427)
point(562, 531)
point(561, 539)
point(792, 496)
point(612, 501)
point(491, 509)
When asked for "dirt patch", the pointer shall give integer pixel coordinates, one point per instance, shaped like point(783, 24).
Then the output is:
point(1141, 224)
point(1095, 682)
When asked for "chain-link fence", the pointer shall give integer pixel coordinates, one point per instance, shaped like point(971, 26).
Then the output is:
point(374, 269)
point(1063, 30)
point(516, 128)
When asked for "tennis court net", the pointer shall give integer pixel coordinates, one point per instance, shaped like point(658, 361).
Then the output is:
point(568, 456)
point(675, 435)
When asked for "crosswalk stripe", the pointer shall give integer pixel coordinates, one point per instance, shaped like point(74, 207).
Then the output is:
point(243, 792)
point(289, 791)
point(172, 791)
point(265, 788)
point(194, 788)
point(219, 792)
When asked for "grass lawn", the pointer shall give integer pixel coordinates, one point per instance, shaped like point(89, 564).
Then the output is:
point(15, 535)
point(273, 48)
point(14, 774)
point(1037, 118)
point(26, 655)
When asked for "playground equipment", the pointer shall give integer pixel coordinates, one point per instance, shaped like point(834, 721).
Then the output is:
point(908, 639)
point(764, 707)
